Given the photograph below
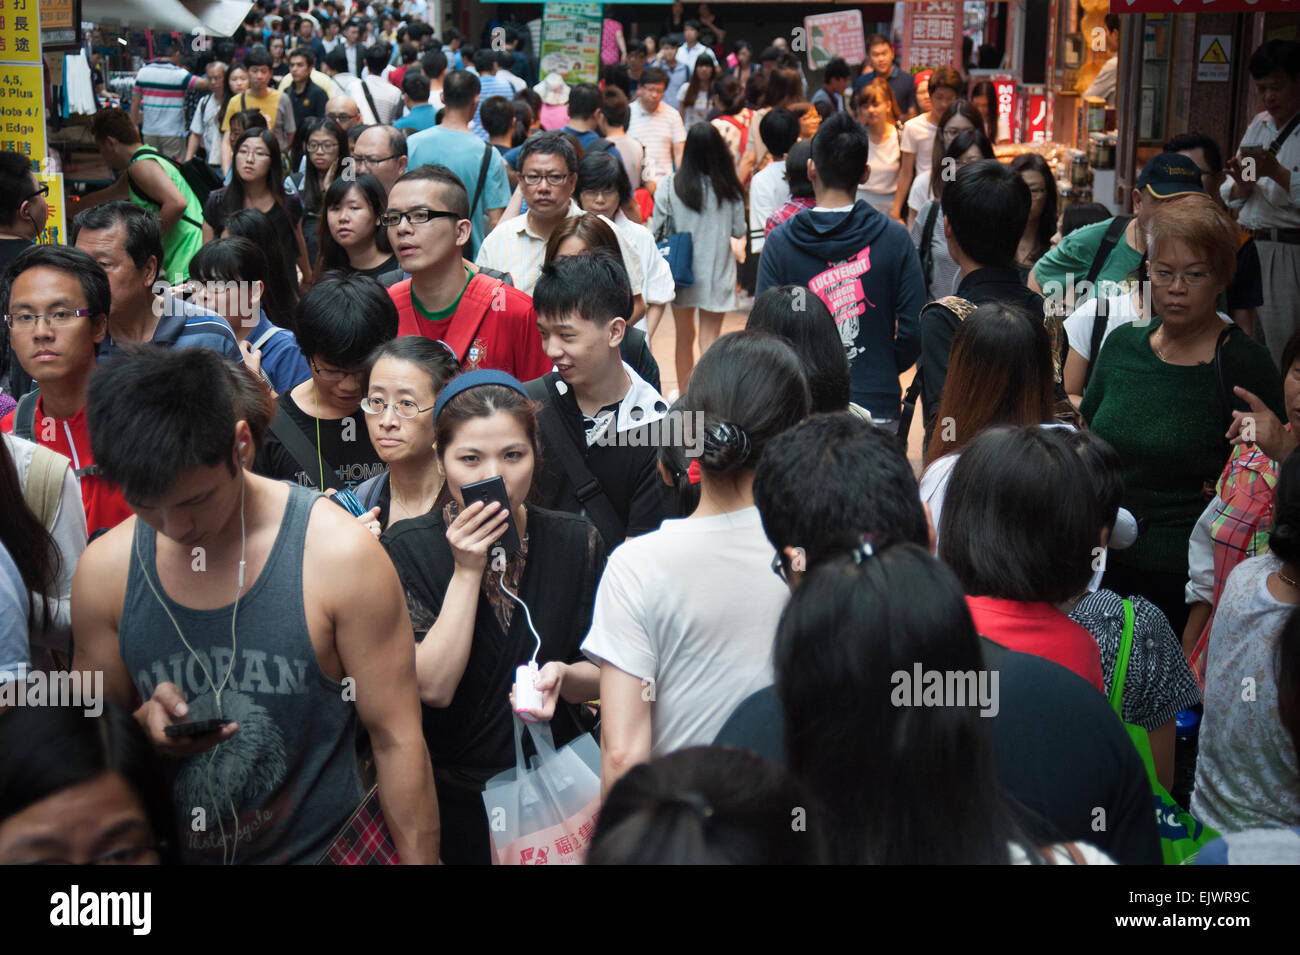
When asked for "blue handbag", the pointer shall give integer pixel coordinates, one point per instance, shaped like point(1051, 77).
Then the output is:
point(677, 249)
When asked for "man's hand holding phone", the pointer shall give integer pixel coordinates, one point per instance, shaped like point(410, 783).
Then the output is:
point(167, 707)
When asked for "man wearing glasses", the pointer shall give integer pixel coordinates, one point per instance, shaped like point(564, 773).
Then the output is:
point(548, 174)
point(485, 322)
point(475, 163)
point(318, 437)
point(336, 65)
point(57, 316)
point(381, 151)
point(345, 113)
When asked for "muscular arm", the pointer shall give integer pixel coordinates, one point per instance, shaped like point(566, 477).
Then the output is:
point(151, 180)
point(98, 588)
point(372, 635)
point(625, 725)
point(117, 190)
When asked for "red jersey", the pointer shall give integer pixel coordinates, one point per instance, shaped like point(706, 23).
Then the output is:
point(494, 326)
point(103, 500)
point(1040, 630)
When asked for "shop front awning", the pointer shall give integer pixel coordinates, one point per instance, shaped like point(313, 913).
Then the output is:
point(194, 17)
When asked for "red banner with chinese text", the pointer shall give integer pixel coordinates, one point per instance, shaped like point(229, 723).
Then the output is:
point(931, 35)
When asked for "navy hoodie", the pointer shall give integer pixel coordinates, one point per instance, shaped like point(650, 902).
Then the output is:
point(863, 265)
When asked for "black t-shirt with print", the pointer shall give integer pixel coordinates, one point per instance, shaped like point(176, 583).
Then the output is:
point(344, 445)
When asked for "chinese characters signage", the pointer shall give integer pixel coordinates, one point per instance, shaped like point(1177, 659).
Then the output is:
point(932, 35)
point(56, 225)
point(22, 112)
point(835, 34)
point(20, 28)
point(571, 41)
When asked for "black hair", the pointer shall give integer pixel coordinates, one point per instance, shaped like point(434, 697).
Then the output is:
point(796, 170)
point(311, 192)
point(603, 171)
point(840, 150)
point(674, 460)
point(331, 255)
point(432, 357)
point(987, 206)
point(897, 782)
point(344, 317)
point(770, 54)
point(281, 295)
point(433, 64)
point(654, 75)
point(1275, 55)
point(1105, 470)
point(1206, 143)
point(484, 60)
point(594, 286)
point(837, 69)
point(66, 259)
point(497, 115)
point(779, 130)
point(376, 58)
point(456, 195)
point(416, 85)
point(178, 403)
point(1047, 221)
point(16, 178)
point(800, 317)
point(1079, 214)
point(617, 75)
point(584, 100)
point(306, 53)
point(731, 95)
point(143, 231)
point(706, 158)
point(459, 89)
point(703, 806)
point(235, 259)
point(672, 39)
point(829, 480)
point(233, 199)
point(1020, 518)
point(257, 56)
point(1112, 22)
point(554, 143)
point(337, 59)
point(750, 387)
point(248, 119)
point(1284, 536)
point(45, 750)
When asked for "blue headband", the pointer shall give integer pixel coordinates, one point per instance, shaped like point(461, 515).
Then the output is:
point(475, 379)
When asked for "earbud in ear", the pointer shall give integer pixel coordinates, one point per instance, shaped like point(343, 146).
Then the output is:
point(242, 445)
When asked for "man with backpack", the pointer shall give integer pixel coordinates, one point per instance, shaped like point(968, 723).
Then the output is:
point(153, 182)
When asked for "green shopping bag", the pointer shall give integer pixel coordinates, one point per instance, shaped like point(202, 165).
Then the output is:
point(1181, 836)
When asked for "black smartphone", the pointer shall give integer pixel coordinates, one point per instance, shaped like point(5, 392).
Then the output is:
point(494, 489)
point(197, 728)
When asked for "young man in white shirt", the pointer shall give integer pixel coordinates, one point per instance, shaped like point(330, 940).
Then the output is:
point(917, 143)
point(657, 127)
point(769, 189)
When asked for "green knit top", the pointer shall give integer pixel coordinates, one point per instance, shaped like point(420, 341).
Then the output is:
point(1167, 423)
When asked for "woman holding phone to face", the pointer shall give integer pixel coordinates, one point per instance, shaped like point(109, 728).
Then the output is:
point(472, 634)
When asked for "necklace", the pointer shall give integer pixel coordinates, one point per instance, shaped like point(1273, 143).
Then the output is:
point(1294, 585)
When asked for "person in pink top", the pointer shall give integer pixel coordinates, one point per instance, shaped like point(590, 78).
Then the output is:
point(1019, 529)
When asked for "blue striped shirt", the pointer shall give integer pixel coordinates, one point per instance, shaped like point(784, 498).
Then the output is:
point(185, 325)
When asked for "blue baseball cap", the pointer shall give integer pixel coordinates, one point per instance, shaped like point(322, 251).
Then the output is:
point(1169, 175)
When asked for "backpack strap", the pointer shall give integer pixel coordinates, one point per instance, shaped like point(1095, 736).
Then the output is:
point(1284, 134)
point(265, 337)
point(927, 244)
point(1121, 661)
point(370, 98)
point(300, 447)
point(148, 152)
point(25, 416)
point(558, 441)
point(1108, 242)
point(44, 487)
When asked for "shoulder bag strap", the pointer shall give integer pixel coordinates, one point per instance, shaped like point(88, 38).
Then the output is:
point(44, 485)
point(482, 176)
point(25, 416)
point(302, 450)
point(560, 442)
point(1121, 662)
point(374, 110)
point(1108, 243)
point(265, 337)
point(1284, 134)
point(927, 244)
point(1225, 391)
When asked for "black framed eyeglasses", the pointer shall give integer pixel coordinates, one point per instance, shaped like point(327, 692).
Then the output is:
point(42, 190)
point(371, 160)
point(415, 216)
point(335, 375)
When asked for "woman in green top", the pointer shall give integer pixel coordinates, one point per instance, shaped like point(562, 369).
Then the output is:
point(1162, 398)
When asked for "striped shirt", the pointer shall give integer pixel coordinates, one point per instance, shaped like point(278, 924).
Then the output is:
point(162, 87)
point(185, 325)
point(657, 132)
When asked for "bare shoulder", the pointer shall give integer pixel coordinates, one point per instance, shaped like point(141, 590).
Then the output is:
point(106, 561)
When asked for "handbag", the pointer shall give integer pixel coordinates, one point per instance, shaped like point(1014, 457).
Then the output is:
point(544, 813)
point(1181, 835)
point(676, 247)
point(364, 838)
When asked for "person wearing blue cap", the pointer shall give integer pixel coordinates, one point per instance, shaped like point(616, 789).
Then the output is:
point(467, 599)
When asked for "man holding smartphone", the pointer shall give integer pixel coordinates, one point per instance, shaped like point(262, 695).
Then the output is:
point(1263, 187)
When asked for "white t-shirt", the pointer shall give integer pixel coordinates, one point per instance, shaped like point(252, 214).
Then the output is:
point(1078, 327)
point(918, 139)
point(692, 609)
point(883, 160)
point(657, 284)
point(768, 191)
point(658, 132)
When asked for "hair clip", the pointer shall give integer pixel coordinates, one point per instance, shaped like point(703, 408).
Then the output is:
point(693, 471)
point(725, 435)
point(865, 549)
point(696, 802)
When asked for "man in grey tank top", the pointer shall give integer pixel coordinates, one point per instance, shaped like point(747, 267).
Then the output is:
point(232, 596)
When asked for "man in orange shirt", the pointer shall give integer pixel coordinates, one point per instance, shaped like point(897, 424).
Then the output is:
point(57, 313)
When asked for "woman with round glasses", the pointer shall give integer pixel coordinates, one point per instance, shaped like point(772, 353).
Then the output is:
point(406, 377)
point(1161, 394)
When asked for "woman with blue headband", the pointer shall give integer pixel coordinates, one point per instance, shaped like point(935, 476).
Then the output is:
point(464, 592)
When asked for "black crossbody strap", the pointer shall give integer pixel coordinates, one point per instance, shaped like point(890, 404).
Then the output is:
point(305, 453)
point(1285, 133)
point(559, 442)
point(927, 244)
point(152, 153)
point(1108, 243)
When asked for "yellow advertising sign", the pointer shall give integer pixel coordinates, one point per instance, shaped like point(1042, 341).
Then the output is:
point(20, 31)
point(58, 15)
point(22, 111)
point(56, 224)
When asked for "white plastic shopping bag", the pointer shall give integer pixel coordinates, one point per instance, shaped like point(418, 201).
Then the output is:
point(545, 814)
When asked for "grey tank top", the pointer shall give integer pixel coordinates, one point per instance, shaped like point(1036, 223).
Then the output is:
point(291, 771)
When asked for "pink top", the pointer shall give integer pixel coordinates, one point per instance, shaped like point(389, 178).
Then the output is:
point(555, 117)
point(609, 43)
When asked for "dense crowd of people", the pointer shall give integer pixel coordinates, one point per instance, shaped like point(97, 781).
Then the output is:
point(371, 265)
